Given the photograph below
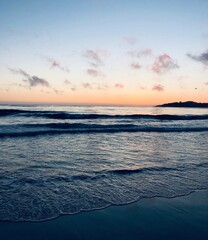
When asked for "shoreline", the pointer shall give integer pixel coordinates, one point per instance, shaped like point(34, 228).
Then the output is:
point(104, 208)
point(181, 217)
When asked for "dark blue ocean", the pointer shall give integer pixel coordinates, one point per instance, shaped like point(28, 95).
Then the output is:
point(57, 160)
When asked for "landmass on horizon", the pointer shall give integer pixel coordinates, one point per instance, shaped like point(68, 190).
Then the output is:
point(188, 104)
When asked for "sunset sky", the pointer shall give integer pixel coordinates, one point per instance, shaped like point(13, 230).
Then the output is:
point(103, 51)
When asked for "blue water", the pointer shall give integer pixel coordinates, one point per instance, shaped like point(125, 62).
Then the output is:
point(57, 160)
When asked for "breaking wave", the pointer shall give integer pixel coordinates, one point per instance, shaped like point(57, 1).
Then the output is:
point(32, 130)
point(77, 116)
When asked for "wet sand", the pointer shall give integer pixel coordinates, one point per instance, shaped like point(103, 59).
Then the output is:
point(183, 217)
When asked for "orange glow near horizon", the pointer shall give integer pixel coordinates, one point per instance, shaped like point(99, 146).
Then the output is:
point(102, 97)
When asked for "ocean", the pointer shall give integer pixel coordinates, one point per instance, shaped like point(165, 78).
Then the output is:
point(65, 159)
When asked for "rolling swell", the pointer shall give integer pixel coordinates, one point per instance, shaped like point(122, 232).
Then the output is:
point(124, 171)
point(79, 128)
point(141, 170)
point(7, 112)
point(60, 115)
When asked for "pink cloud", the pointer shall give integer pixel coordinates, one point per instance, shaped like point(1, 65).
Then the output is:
point(146, 52)
point(87, 85)
point(119, 85)
point(158, 88)
point(163, 63)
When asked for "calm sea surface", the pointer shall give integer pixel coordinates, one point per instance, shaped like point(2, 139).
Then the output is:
point(57, 160)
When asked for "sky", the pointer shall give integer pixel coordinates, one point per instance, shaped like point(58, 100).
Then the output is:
point(130, 52)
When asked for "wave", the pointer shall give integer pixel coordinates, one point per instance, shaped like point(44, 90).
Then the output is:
point(77, 116)
point(7, 112)
point(140, 170)
point(125, 171)
point(81, 128)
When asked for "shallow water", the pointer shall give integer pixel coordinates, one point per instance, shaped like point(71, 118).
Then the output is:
point(65, 159)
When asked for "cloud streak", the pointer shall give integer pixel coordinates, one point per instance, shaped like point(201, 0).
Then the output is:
point(55, 64)
point(32, 81)
point(103, 86)
point(130, 40)
point(119, 85)
point(57, 91)
point(94, 73)
point(95, 57)
point(87, 85)
point(135, 66)
point(158, 88)
point(203, 58)
point(69, 83)
point(164, 63)
point(95, 60)
point(141, 53)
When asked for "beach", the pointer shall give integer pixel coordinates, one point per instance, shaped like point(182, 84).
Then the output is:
point(184, 217)
point(103, 120)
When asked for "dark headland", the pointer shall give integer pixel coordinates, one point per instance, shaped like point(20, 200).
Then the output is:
point(188, 104)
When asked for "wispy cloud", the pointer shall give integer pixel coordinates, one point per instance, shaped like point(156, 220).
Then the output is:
point(55, 64)
point(44, 91)
point(181, 78)
point(57, 91)
point(69, 83)
point(119, 85)
point(20, 85)
point(94, 73)
point(18, 71)
point(158, 88)
point(87, 85)
point(203, 57)
point(163, 64)
point(140, 53)
point(95, 60)
point(103, 86)
point(32, 81)
point(135, 66)
point(142, 87)
point(35, 81)
point(95, 57)
point(130, 40)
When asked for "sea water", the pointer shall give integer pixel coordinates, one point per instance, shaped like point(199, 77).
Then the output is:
point(58, 159)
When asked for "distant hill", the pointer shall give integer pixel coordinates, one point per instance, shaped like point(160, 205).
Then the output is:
point(189, 104)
